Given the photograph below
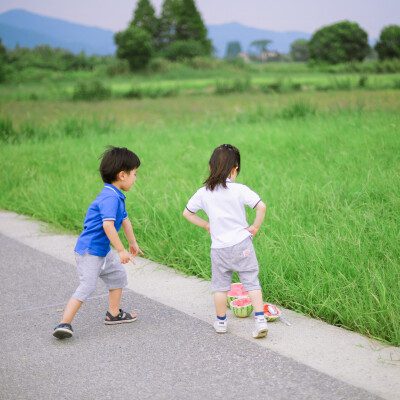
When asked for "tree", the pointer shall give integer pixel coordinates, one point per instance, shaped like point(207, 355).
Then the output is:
point(134, 45)
point(388, 45)
point(145, 17)
point(340, 42)
point(299, 50)
point(261, 46)
point(168, 23)
point(190, 25)
point(233, 49)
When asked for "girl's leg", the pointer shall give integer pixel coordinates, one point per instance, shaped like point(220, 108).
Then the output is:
point(72, 308)
point(220, 299)
point(256, 300)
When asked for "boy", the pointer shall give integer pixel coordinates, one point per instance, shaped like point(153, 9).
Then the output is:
point(94, 259)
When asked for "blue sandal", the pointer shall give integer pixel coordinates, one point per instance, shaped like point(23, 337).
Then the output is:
point(121, 318)
point(63, 331)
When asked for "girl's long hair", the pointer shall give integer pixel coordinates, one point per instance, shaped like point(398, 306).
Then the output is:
point(223, 160)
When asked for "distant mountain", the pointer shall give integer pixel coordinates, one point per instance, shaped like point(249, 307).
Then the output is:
point(28, 29)
point(222, 34)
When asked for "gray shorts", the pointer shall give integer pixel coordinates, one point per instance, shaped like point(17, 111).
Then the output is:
point(90, 268)
point(241, 258)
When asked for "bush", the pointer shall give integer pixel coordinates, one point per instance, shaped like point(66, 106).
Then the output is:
point(158, 65)
point(157, 92)
point(298, 109)
point(236, 86)
point(184, 49)
point(275, 87)
point(342, 84)
point(134, 93)
point(117, 67)
point(203, 63)
point(366, 67)
point(91, 91)
point(362, 82)
point(236, 62)
point(7, 132)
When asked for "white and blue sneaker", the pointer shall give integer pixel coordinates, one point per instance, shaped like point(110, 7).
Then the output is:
point(260, 327)
point(221, 326)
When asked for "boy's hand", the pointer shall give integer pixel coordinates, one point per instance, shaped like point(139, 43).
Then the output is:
point(125, 257)
point(207, 227)
point(134, 249)
point(253, 230)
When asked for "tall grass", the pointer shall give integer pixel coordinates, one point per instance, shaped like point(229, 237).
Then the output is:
point(330, 177)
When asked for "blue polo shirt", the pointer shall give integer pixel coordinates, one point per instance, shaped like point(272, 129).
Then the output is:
point(108, 206)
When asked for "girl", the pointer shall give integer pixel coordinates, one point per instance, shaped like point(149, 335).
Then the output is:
point(223, 200)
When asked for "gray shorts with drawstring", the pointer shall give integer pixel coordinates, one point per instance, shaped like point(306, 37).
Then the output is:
point(240, 258)
point(90, 268)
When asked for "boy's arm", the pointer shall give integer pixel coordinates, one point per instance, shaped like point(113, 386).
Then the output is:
point(112, 234)
point(128, 231)
point(195, 219)
point(260, 214)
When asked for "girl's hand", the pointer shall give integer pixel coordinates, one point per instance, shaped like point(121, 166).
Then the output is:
point(252, 229)
point(134, 249)
point(207, 227)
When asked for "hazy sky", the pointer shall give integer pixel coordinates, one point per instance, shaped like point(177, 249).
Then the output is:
point(278, 15)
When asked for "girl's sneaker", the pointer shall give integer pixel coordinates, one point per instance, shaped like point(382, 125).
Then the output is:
point(221, 326)
point(260, 328)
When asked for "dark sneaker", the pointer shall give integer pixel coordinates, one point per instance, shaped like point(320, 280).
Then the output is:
point(63, 331)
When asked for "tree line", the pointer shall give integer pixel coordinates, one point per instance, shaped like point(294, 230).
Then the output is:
point(334, 44)
point(180, 33)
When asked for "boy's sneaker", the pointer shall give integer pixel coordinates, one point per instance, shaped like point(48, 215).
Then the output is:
point(260, 327)
point(63, 331)
point(221, 326)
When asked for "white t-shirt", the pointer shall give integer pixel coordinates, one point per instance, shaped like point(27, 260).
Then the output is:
point(225, 210)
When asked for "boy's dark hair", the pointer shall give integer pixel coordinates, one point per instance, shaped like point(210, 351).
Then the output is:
point(117, 159)
point(223, 160)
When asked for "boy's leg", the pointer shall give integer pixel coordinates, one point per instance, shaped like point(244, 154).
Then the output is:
point(64, 329)
point(115, 315)
point(115, 301)
point(70, 310)
point(115, 279)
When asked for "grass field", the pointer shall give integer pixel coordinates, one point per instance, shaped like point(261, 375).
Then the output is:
point(326, 164)
point(180, 79)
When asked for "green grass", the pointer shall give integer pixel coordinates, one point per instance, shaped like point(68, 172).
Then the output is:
point(185, 80)
point(326, 165)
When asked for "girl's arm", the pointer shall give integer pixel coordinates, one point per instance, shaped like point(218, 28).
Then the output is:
point(195, 219)
point(260, 214)
point(128, 231)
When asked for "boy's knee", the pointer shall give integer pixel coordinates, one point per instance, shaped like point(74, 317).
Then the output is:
point(83, 291)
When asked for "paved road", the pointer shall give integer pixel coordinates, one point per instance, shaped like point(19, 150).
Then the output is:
point(166, 354)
